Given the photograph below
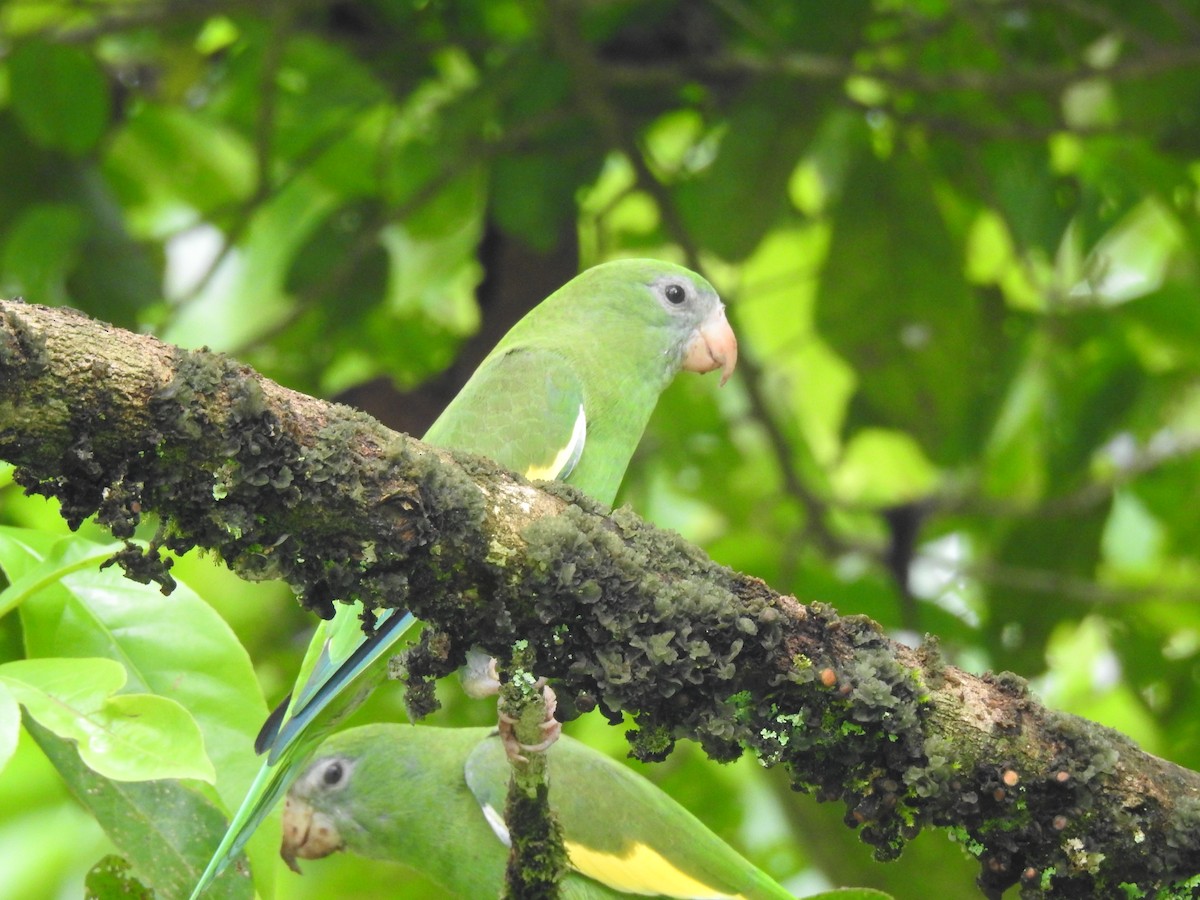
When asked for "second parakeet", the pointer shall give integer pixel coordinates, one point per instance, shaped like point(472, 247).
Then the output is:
point(565, 395)
point(433, 799)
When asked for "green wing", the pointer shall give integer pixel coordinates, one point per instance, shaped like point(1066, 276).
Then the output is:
point(621, 830)
point(523, 408)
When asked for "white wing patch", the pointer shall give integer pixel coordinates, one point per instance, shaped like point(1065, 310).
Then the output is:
point(641, 871)
point(567, 457)
point(499, 826)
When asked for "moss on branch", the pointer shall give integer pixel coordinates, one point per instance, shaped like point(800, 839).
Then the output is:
point(624, 616)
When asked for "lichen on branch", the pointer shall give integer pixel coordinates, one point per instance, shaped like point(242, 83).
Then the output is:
point(622, 616)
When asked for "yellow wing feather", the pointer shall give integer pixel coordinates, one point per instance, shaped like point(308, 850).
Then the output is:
point(641, 871)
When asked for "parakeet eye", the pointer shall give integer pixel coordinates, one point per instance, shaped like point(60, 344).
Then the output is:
point(675, 293)
point(333, 773)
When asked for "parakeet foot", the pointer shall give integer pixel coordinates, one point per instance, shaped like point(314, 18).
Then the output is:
point(479, 676)
point(550, 728)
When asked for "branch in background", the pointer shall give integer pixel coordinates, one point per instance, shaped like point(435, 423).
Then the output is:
point(1164, 59)
point(624, 616)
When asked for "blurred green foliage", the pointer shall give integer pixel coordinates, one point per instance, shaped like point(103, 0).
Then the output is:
point(959, 241)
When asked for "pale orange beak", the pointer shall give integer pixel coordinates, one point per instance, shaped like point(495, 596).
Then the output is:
point(307, 834)
point(712, 346)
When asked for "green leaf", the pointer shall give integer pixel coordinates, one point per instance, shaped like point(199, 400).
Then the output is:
point(30, 571)
point(41, 249)
point(176, 646)
point(10, 725)
point(163, 828)
point(251, 298)
point(882, 468)
point(322, 258)
point(60, 95)
point(1021, 618)
point(533, 194)
point(142, 164)
point(850, 894)
point(128, 737)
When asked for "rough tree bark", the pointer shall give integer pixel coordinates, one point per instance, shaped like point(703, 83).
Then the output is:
point(622, 615)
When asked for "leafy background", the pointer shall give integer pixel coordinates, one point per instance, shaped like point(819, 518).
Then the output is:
point(958, 239)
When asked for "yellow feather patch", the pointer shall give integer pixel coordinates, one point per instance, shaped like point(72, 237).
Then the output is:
point(562, 464)
point(640, 871)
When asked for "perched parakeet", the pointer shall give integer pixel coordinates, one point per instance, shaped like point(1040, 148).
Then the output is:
point(433, 799)
point(565, 395)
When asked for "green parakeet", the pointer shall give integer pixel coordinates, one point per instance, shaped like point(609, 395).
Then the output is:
point(433, 799)
point(565, 395)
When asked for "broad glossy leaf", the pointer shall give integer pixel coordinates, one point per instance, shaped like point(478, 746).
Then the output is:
point(128, 737)
point(35, 561)
point(163, 828)
point(24, 549)
point(174, 646)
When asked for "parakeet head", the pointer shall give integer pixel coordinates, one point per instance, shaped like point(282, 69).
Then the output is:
point(311, 831)
point(627, 304)
point(346, 798)
point(327, 808)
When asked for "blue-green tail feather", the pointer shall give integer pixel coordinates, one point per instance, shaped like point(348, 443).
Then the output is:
point(372, 650)
point(268, 787)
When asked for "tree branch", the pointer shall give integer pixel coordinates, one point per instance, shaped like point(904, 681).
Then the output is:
point(623, 615)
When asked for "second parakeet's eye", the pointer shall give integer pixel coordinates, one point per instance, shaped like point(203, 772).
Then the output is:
point(333, 773)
